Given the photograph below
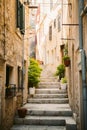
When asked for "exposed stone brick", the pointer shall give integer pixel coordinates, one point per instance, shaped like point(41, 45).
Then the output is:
point(11, 53)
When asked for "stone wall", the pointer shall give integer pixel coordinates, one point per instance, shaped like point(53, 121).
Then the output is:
point(74, 71)
point(19, 100)
point(0, 96)
point(1, 29)
point(11, 54)
point(10, 107)
point(2, 110)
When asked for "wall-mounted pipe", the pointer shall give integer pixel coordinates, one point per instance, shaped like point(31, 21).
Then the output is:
point(4, 29)
point(83, 65)
point(81, 7)
point(84, 89)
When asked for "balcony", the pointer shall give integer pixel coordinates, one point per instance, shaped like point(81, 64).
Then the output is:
point(10, 91)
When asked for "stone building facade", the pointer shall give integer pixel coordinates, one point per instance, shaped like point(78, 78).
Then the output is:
point(77, 70)
point(13, 58)
point(73, 32)
point(50, 34)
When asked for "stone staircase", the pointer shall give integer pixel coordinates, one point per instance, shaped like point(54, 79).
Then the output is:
point(48, 110)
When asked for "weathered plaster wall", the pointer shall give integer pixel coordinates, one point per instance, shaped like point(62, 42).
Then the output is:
point(74, 71)
point(11, 53)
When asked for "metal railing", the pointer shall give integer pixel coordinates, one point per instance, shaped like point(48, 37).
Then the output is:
point(10, 91)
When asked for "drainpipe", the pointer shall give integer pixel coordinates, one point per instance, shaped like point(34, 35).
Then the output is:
point(83, 65)
point(22, 68)
point(4, 28)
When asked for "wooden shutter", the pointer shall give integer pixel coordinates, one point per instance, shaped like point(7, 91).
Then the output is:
point(59, 23)
point(50, 33)
point(22, 19)
point(18, 13)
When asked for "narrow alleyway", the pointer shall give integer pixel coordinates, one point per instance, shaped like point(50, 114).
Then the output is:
point(53, 33)
point(48, 110)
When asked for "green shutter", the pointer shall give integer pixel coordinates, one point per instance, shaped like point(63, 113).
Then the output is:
point(18, 13)
point(20, 16)
point(22, 19)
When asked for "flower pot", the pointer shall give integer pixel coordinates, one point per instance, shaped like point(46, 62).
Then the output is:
point(32, 91)
point(67, 62)
point(63, 86)
point(8, 92)
point(22, 112)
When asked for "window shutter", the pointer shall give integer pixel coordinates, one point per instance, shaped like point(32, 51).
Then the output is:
point(22, 19)
point(50, 33)
point(18, 13)
point(59, 23)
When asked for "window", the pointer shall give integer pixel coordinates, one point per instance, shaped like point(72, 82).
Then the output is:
point(20, 17)
point(59, 23)
point(70, 10)
point(10, 89)
point(19, 77)
point(9, 73)
point(50, 33)
point(54, 23)
point(47, 57)
point(62, 50)
point(51, 4)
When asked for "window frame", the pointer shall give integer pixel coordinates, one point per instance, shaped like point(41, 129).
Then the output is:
point(50, 32)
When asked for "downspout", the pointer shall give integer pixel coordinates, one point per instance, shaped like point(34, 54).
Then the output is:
point(4, 29)
point(81, 7)
point(83, 65)
point(22, 69)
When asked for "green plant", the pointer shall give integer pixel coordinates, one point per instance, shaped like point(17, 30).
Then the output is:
point(66, 49)
point(60, 71)
point(66, 57)
point(64, 80)
point(34, 72)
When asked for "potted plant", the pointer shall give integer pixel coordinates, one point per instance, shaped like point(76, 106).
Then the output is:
point(34, 72)
point(66, 60)
point(60, 71)
point(63, 83)
point(22, 112)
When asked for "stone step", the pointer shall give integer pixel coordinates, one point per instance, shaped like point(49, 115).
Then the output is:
point(49, 91)
point(48, 86)
point(47, 120)
point(49, 83)
point(65, 95)
point(48, 100)
point(45, 106)
point(48, 79)
point(37, 127)
point(40, 120)
point(58, 112)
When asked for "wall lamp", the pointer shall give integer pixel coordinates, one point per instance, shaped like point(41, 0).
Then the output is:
point(26, 2)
